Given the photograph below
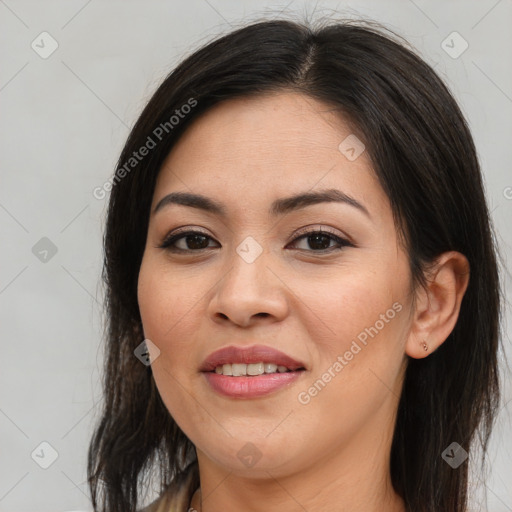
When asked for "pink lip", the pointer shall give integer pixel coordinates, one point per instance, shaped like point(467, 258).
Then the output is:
point(248, 355)
point(250, 387)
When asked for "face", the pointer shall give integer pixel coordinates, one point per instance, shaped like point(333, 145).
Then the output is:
point(335, 301)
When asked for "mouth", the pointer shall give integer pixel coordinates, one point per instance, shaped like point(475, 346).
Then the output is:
point(251, 360)
point(250, 372)
point(247, 387)
point(253, 369)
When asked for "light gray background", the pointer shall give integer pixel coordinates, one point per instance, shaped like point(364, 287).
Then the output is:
point(64, 121)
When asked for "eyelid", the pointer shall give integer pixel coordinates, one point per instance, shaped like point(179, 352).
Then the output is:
point(175, 234)
point(340, 238)
point(319, 228)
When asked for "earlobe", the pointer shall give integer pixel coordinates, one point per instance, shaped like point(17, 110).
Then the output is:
point(418, 349)
point(438, 305)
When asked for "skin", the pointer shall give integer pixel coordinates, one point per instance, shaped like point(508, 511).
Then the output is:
point(333, 452)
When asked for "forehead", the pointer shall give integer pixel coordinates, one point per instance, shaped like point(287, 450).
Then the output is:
point(265, 147)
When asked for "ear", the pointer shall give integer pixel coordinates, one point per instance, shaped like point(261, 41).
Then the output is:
point(438, 306)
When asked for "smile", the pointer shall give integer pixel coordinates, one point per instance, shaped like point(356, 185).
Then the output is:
point(253, 369)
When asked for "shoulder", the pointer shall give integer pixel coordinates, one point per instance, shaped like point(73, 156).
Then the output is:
point(165, 503)
point(153, 507)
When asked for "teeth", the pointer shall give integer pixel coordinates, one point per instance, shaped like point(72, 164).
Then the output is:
point(270, 368)
point(255, 369)
point(239, 369)
point(252, 369)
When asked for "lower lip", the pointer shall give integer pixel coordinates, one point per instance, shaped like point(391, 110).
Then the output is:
point(251, 387)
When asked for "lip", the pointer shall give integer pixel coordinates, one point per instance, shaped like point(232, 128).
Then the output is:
point(248, 355)
point(251, 387)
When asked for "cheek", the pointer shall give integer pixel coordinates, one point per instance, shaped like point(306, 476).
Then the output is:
point(365, 321)
point(164, 301)
point(165, 309)
point(351, 304)
point(167, 314)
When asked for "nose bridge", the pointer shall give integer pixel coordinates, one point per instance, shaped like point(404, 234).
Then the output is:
point(248, 288)
point(249, 250)
point(248, 267)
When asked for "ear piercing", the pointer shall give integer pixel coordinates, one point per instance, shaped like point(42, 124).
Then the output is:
point(425, 346)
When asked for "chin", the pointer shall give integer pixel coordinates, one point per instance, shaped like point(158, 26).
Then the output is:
point(255, 458)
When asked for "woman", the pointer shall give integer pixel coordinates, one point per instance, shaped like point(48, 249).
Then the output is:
point(299, 244)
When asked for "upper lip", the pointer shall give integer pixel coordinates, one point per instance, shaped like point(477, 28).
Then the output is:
point(248, 355)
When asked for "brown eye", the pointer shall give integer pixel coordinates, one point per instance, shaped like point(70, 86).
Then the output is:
point(192, 241)
point(320, 240)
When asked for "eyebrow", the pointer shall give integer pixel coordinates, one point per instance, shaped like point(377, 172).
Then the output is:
point(279, 206)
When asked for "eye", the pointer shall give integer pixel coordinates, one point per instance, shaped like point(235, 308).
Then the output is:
point(192, 240)
point(319, 240)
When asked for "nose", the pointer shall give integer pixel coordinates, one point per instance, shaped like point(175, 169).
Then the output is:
point(249, 291)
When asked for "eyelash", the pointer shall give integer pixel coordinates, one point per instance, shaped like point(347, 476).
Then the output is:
point(171, 239)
